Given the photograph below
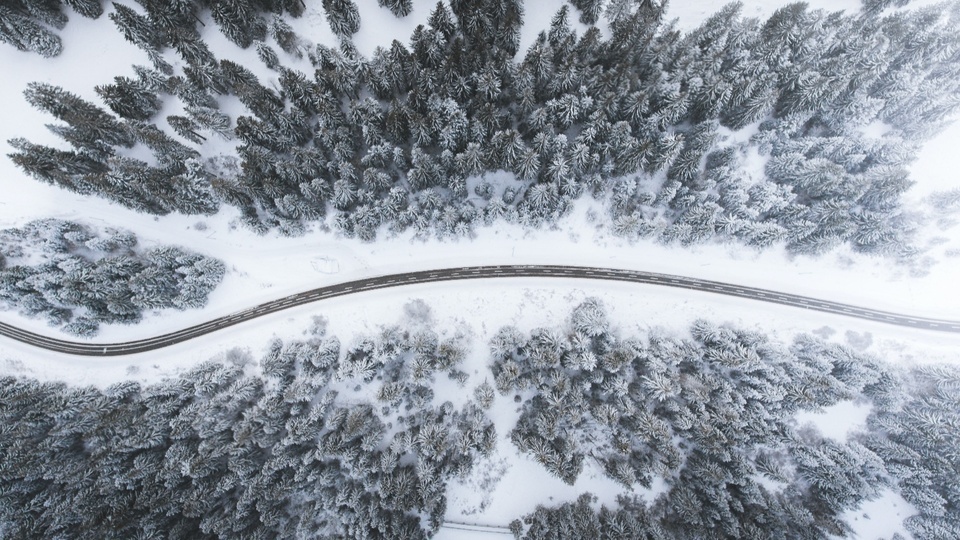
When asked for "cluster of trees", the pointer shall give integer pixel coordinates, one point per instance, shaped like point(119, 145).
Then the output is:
point(398, 367)
point(231, 449)
point(630, 519)
point(77, 277)
point(713, 416)
point(316, 439)
point(176, 182)
point(405, 138)
point(30, 25)
point(917, 436)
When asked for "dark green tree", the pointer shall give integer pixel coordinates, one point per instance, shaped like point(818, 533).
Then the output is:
point(400, 8)
point(343, 16)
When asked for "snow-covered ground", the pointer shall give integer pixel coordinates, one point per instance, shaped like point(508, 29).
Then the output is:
point(268, 267)
point(837, 421)
point(880, 518)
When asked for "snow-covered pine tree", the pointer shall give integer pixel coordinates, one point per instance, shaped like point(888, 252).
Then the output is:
point(400, 8)
point(343, 17)
point(590, 10)
point(92, 124)
point(21, 31)
point(239, 20)
point(130, 99)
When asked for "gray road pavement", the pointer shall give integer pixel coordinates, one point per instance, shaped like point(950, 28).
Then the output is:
point(466, 273)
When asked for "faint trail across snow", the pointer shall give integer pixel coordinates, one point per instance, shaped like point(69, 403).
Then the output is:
point(472, 527)
point(470, 273)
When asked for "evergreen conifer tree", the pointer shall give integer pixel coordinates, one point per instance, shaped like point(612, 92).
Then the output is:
point(130, 99)
point(91, 123)
point(90, 9)
point(21, 31)
point(136, 28)
point(400, 8)
point(343, 16)
point(239, 20)
point(589, 10)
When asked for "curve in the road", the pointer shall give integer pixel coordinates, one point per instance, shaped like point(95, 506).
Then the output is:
point(472, 272)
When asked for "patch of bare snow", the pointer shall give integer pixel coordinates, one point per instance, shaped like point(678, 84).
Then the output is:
point(771, 485)
point(326, 265)
point(836, 421)
point(880, 518)
point(876, 129)
point(937, 164)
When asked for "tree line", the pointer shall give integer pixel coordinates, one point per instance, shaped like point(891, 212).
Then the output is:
point(644, 119)
point(712, 416)
point(319, 439)
point(236, 448)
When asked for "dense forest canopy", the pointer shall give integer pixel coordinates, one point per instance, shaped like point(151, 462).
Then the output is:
point(317, 439)
point(661, 124)
point(280, 448)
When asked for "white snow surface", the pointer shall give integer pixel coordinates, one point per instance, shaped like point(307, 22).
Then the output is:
point(836, 421)
point(880, 518)
point(267, 267)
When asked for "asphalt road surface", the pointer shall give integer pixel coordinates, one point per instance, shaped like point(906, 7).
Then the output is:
point(464, 273)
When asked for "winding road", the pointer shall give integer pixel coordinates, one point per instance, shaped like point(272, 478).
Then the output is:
point(465, 273)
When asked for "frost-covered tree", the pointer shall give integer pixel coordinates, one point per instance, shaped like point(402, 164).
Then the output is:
point(239, 20)
point(26, 24)
point(130, 99)
point(136, 28)
point(91, 124)
point(400, 8)
point(24, 33)
point(590, 10)
point(78, 278)
point(343, 16)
